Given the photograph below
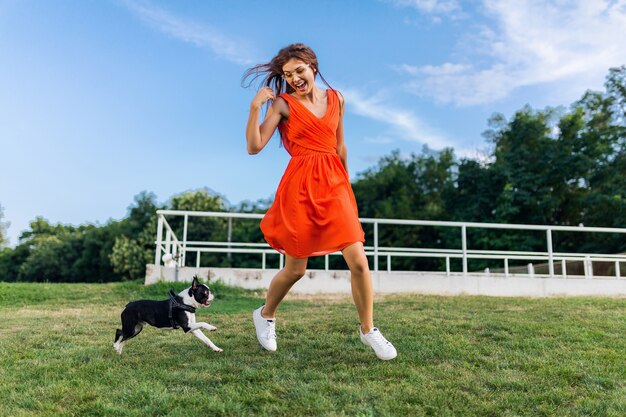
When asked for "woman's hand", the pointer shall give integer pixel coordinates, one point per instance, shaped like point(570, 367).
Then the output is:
point(262, 96)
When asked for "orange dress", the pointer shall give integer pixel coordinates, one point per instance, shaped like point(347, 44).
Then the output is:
point(314, 212)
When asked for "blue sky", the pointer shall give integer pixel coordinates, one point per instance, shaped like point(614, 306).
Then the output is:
point(100, 100)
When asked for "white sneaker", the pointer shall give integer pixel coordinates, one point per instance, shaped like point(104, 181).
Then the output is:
point(265, 330)
point(382, 347)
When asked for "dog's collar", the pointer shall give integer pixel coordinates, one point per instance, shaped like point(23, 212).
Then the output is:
point(174, 303)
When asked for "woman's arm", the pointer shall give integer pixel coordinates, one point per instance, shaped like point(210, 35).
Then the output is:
point(257, 135)
point(342, 150)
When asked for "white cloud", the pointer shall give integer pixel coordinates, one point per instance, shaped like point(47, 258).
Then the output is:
point(531, 42)
point(403, 123)
point(201, 35)
point(448, 7)
point(379, 140)
point(447, 69)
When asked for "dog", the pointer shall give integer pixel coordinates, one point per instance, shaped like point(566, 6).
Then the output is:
point(178, 311)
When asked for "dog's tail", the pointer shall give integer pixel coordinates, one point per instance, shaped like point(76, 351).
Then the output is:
point(118, 334)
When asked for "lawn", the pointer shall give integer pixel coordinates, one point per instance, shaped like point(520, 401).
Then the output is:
point(460, 356)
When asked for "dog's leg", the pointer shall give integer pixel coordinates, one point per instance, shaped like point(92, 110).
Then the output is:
point(119, 346)
point(198, 333)
point(128, 332)
point(202, 325)
point(118, 334)
point(117, 343)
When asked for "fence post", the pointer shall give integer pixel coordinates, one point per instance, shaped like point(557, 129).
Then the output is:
point(185, 222)
point(531, 270)
point(617, 272)
point(157, 255)
point(263, 261)
point(375, 246)
point(168, 242)
point(464, 246)
point(550, 254)
point(564, 268)
point(325, 262)
point(229, 255)
point(506, 267)
point(588, 265)
point(447, 266)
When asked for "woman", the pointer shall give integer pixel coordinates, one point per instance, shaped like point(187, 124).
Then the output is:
point(314, 212)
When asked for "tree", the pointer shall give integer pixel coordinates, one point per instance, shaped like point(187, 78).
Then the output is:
point(129, 257)
point(604, 155)
point(134, 247)
point(45, 262)
point(4, 241)
point(10, 261)
point(202, 228)
point(67, 253)
point(412, 187)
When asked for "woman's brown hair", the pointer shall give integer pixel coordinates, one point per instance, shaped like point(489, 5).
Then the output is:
point(272, 72)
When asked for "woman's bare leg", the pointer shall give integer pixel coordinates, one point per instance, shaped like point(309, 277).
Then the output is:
point(294, 269)
point(361, 281)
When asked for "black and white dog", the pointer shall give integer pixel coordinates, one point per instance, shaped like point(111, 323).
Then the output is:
point(178, 311)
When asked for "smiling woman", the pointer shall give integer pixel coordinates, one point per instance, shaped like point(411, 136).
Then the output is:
point(279, 80)
point(314, 212)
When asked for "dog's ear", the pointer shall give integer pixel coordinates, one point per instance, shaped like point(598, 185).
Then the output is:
point(195, 283)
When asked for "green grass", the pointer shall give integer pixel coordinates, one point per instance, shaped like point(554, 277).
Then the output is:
point(457, 356)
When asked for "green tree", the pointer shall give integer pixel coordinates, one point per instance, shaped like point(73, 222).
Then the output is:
point(604, 158)
point(4, 241)
point(134, 247)
point(551, 167)
point(201, 228)
point(412, 187)
point(46, 261)
point(11, 259)
point(129, 257)
point(66, 253)
point(91, 246)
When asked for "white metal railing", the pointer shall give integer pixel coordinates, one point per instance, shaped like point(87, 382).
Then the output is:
point(168, 243)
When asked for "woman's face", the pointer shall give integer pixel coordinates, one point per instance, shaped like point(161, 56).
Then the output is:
point(299, 75)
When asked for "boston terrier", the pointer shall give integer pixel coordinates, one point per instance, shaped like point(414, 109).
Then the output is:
point(178, 311)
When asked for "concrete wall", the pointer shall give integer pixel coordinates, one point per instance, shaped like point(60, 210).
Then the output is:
point(319, 282)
